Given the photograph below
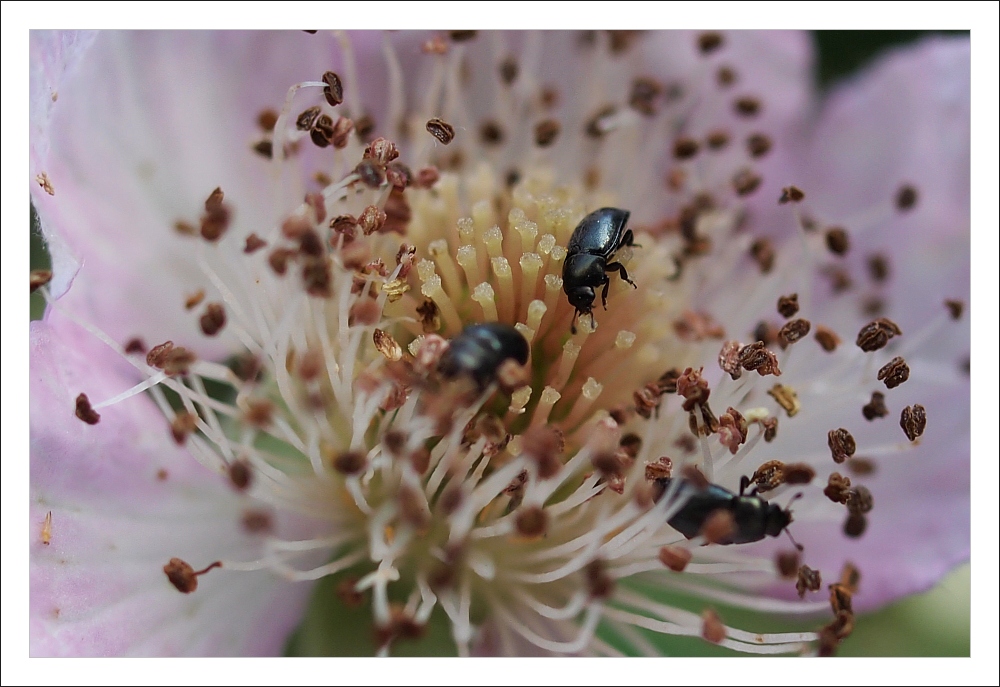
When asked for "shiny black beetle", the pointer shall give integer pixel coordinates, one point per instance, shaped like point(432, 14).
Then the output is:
point(479, 351)
point(753, 517)
point(595, 240)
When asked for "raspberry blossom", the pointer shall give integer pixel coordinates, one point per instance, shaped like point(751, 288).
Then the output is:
point(264, 242)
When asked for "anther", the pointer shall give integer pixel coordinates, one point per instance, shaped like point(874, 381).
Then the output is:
point(85, 412)
point(240, 474)
point(894, 373)
point(193, 300)
point(387, 346)
point(787, 563)
point(906, 198)
point(709, 42)
point(786, 397)
point(601, 122)
point(747, 106)
point(757, 357)
point(546, 132)
point(717, 140)
point(913, 420)
point(306, 119)
point(43, 180)
point(334, 89)
point(712, 629)
point(264, 148)
point(758, 145)
point(371, 173)
point(763, 253)
point(675, 557)
point(213, 319)
point(544, 444)
point(807, 580)
point(837, 241)
point(183, 576)
point(322, 131)
point(40, 278)
point(685, 148)
point(259, 412)
point(350, 462)
point(794, 330)
point(827, 339)
point(183, 424)
point(875, 408)
point(441, 130)
point(599, 582)
point(508, 70)
point(955, 308)
point(253, 244)
point(838, 488)
point(725, 76)
point(790, 194)
point(860, 501)
point(746, 182)
point(532, 521)
point(266, 119)
point(770, 424)
point(256, 521)
point(643, 95)
point(841, 443)
point(855, 525)
point(135, 346)
point(46, 533)
point(491, 132)
point(878, 267)
point(788, 305)
point(876, 334)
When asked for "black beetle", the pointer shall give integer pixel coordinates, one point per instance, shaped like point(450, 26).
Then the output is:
point(595, 240)
point(480, 350)
point(753, 517)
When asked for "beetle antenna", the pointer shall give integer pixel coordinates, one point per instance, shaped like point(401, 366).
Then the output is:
point(797, 545)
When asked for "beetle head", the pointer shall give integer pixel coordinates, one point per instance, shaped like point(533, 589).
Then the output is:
point(581, 298)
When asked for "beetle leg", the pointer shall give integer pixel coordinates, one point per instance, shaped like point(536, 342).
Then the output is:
point(621, 272)
point(572, 326)
point(627, 240)
point(744, 483)
point(604, 293)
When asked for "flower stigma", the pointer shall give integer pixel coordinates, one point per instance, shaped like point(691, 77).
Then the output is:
point(535, 511)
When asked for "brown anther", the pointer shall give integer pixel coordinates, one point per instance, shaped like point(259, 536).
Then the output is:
point(278, 260)
point(532, 521)
point(334, 89)
point(491, 133)
point(158, 354)
point(183, 424)
point(420, 459)
point(861, 466)
point(769, 476)
point(462, 36)
point(430, 316)
point(826, 338)
point(317, 277)
point(697, 326)
point(759, 145)
point(878, 267)
point(371, 173)
point(322, 131)
point(838, 488)
point(809, 580)
point(757, 357)
point(259, 412)
point(310, 365)
point(794, 330)
point(643, 95)
point(693, 387)
point(601, 122)
point(85, 412)
point(732, 429)
point(509, 70)
point(837, 241)
point(841, 443)
point(747, 106)
point(214, 223)
point(799, 473)
point(185, 228)
point(40, 278)
point(365, 312)
point(696, 477)
point(386, 345)
point(906, 198)
point(850, 577)
point(546, 132)
point(661, 469)
point(786, 397)
point(791, 194)
point(729, 359)
point(725, 76)
point(183, 576)
point(382, 150)
point(350, 462)
point(264, 148)
point(413, 507)
point(599, 582)
point(763, 253)
point(253, 244)
point(955, 308)
point(305, 121)
point(746, 182)
point(441, 130)
point(712, 629)
point(214, 200)
point(607, 463)
point(875, 408)
point(371, 220)
point(344, 225)
point(255, 521)
point(787, 563)
point(192, 301)
point(42, 179)
point(364, 125)
point(860, 501)
point(631, 444)
point(913, 420)
point(717, 140)
point(770, 425)
point(685, 148)
point(341, 131)
point(135, 346)
point(266, 119)
point(675, 557)
point(348, 593)
point(240, 474)
point(709, 42)
point(855, 525)
point(876, 334)
point(788, 305)
point(544, 444)
point(429, 354)
point(213, 319)
point(894, 373)
point(399, 176)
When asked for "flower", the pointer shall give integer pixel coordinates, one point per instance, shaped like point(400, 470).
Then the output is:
point(263, 244)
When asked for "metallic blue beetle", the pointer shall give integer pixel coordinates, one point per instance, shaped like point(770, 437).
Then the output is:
point(753, 517)
point(589, 255)
point(480, 350)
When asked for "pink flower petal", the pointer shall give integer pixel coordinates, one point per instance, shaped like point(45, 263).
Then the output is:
point(98, 587)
